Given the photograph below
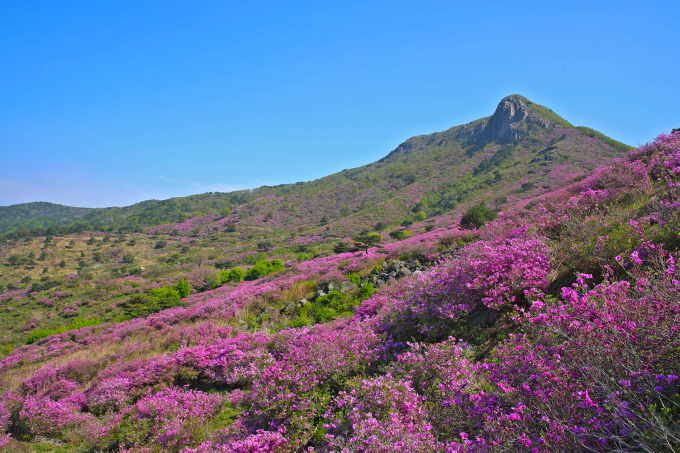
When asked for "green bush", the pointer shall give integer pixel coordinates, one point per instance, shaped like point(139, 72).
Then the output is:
point(400, 235)
point(129, 258)
point(302, 256)
point(353, 278)
point(75, 324)
point(366, 291)
point(342, 247)
point(328, 307)
point(166, 292)
point(144, 304)
point(234, 275)
point(264, 268)
point(183, 288)
point(476, 216)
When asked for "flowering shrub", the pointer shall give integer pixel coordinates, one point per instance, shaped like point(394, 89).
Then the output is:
point(168, 420)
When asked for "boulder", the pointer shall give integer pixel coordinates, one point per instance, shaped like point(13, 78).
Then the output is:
point(483, 317)
point(347, 287)
point(403, 272)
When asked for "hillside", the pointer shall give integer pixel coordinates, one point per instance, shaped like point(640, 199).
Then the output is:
point(522, 142)
point(543, 322)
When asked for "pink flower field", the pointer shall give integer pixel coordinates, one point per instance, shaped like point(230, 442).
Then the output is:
point(554, 328)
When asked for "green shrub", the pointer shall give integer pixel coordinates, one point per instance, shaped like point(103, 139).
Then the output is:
point(400, 234)
point(366, 291)
point(334, 304)
point(166, 292)
point(353, 278)
point(476, 216)
point(342, 247)
point(264, 268)
point(129, 258)
point(144, 304)
point(183, 288)
point(302, 256)
point(75, 324)
point(234, 275)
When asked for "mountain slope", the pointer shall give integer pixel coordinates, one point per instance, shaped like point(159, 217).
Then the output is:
point(497, 154)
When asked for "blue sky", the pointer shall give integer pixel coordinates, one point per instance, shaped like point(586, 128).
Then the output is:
point(110, 103)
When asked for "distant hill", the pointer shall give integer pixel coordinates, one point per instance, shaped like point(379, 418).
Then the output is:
point(521, 149)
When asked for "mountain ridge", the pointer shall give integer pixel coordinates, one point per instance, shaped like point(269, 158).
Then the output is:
point(516, 119)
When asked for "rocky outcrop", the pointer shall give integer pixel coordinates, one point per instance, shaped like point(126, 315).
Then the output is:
point(508, 123)
point(502, 125)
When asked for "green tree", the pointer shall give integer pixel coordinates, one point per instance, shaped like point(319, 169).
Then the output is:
point(129, 258)
point(345, 211)
point(366, 241)
point(407, 223)
point(62, 264)
point(342, 247)
point(26, 280)
point(420, 216)
point(476, 216)
point(231, 228)
point(324, 220)
point(265, 244)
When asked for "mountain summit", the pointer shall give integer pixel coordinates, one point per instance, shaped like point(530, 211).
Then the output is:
point(514, 118)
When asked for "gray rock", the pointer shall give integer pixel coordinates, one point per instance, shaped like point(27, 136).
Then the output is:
point(331, 286)
point(384, 276)
point(483, 317)
point(346, 287)
point(290, 307)
point(404, 272)
point(320, 293)
point(380, 283)
point(393, 274)
point(47, 440)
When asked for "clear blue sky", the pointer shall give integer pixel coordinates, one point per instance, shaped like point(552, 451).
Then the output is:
point(113, 102)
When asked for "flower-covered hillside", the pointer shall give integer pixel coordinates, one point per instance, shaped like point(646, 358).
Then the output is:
point(552, 328)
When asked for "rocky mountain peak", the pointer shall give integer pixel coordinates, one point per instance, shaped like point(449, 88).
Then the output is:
point(512, 120)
